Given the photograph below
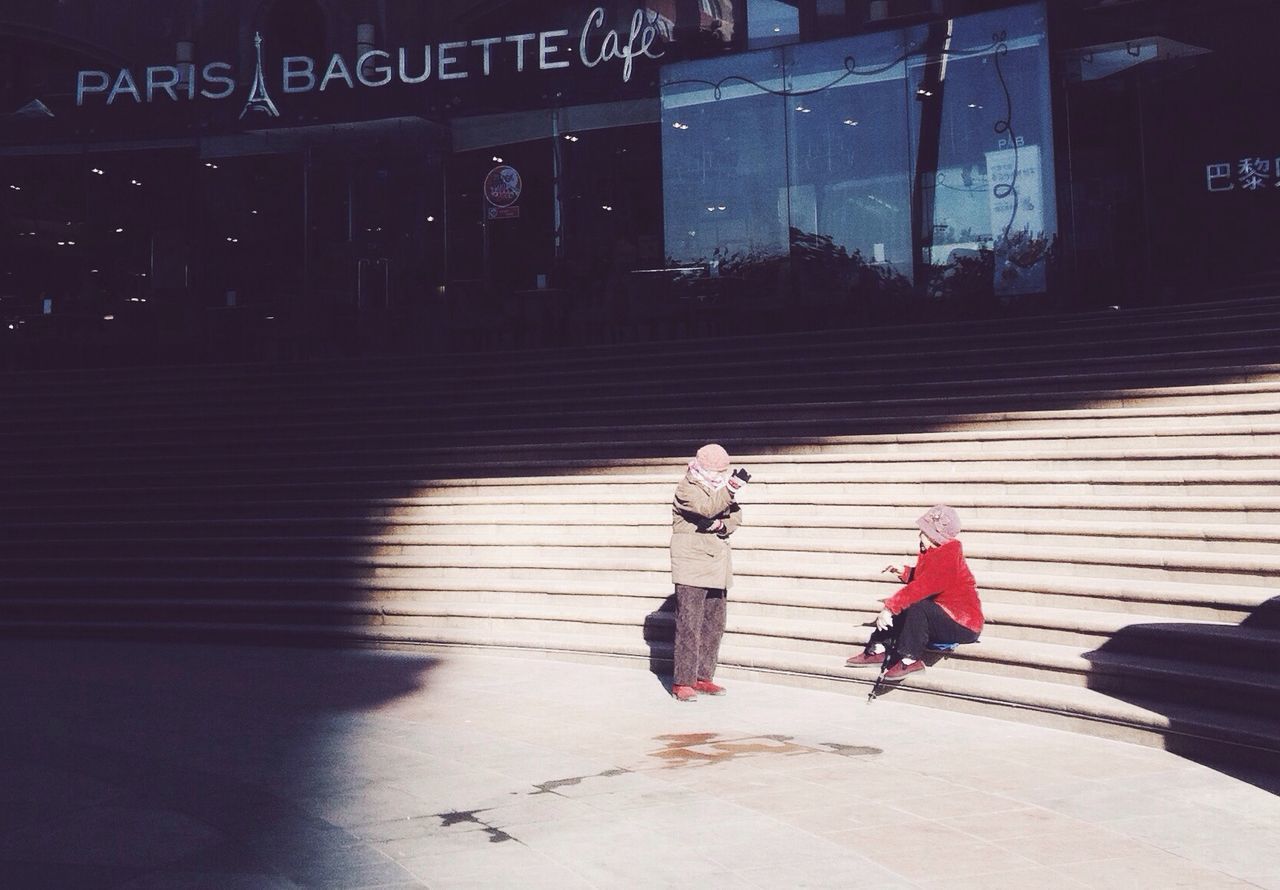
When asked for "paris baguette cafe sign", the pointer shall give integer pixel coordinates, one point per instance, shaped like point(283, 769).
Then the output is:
point(596, 45)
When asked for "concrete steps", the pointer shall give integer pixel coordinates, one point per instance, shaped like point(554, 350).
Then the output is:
point(777, 531)
point(1116, 473)
point(1257, 453)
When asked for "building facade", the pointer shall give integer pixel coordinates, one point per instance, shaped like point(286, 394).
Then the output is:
point(310, 178)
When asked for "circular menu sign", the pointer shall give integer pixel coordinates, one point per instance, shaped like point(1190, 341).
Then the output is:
point(502, 186)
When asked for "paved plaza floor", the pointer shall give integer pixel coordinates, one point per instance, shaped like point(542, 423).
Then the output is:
point(177, 766)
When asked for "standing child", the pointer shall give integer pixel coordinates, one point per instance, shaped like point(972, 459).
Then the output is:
point(938, 604)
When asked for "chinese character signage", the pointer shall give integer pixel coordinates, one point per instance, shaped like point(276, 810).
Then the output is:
point(1247, 174)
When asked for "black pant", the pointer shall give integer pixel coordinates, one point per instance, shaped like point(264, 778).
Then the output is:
point(917, 626)
point(700, 613)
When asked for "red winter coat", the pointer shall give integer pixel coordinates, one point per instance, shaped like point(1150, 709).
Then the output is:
point(943, 574)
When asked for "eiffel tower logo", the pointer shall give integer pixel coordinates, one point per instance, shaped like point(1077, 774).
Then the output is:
point(258, 99)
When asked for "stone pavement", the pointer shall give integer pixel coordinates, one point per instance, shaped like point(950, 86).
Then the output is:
point(175, 766)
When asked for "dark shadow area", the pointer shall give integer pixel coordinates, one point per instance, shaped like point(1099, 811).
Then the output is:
point(175, 765)
point(659, 633)
point(1236, 674)
point(271, 502)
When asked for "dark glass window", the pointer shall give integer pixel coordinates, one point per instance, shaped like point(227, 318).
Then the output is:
point(981, 130)
point(772, 21)
point(850, 187)
point(724, 162)
point(867, 166)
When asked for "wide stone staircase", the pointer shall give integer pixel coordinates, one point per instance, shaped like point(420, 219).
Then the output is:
point(1116, 473)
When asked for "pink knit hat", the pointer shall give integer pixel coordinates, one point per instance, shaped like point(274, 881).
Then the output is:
point(712, 459)
point(940, 524)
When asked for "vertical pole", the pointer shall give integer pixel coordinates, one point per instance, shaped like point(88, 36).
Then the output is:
point(1149, 287)
point(444, 221)
point(1071, 194)
point(306, 232)
point(928, 151)
point(556, 196)
point(351, 208)
point(790, 281)
point(484, 226)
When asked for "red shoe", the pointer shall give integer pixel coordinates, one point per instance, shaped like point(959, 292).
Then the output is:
point(900, 670)
point(865, 659)
point(684, 693)
point(708, 687)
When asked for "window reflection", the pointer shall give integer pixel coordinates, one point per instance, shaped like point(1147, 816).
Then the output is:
point(858, 169)
point(772, 21)
point(850, 192)
point(724, 162)
point(981, 133)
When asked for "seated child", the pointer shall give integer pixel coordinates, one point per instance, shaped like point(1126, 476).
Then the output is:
point(938, 604)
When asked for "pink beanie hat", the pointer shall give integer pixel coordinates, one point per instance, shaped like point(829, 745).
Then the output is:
point(940, 524)
point(712, 459)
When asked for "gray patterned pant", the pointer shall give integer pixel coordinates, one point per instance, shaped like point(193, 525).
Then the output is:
point(700, 616)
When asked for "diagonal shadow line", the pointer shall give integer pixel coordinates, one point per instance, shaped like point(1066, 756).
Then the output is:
point(1232, 668)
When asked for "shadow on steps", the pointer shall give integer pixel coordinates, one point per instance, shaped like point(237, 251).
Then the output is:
point(1202, 676)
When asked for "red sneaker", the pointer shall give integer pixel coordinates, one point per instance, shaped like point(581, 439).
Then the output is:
point(865, 659)
point(684, 693)
point(708, 687)
point(900, 670)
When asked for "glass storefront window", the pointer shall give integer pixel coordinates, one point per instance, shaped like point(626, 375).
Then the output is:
point(981, 128)
point(724, 164)
point(916, 159)
point(772, 21)
point(849, 185)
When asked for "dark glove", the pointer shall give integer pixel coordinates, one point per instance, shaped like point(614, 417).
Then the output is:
point(738, 480)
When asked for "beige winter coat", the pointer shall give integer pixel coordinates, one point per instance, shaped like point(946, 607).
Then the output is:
point(700, 558)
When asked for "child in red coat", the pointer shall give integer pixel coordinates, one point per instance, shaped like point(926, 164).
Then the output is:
point(938, 604)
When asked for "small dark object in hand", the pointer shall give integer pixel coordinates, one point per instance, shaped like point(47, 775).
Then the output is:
point(742, 474)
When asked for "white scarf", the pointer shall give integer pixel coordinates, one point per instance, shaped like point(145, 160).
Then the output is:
point(709, 480)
